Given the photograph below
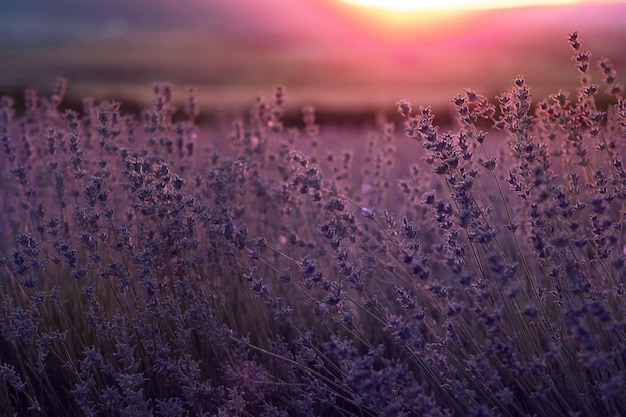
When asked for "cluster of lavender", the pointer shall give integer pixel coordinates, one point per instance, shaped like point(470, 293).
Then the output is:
point(148, 270)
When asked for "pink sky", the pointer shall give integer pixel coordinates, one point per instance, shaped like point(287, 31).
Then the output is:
point(324, 52)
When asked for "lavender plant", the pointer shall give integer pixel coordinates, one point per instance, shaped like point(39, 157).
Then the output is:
point(156, 268)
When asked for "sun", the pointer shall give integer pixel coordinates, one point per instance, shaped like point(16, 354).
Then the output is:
point(417, 5)
point(403, 20)
point(396, 5)
point(394, 19)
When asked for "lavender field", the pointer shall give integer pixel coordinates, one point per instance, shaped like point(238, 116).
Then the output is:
point(264, 266)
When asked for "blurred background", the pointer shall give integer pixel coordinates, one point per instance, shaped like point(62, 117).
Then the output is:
point(346, 60)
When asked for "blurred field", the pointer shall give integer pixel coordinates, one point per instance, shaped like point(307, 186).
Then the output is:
point(345, 72)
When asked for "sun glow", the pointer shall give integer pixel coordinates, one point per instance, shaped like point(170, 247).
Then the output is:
point(402, 20)
point(416, 5)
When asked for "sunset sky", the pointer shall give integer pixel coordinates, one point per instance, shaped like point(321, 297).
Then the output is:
point(456, 4)
point(330, 53)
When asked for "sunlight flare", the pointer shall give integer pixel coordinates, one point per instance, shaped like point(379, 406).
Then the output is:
point(415, 5)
